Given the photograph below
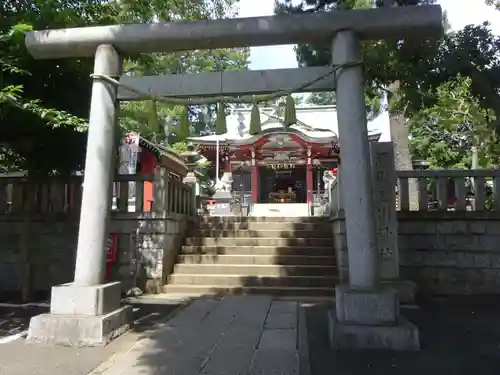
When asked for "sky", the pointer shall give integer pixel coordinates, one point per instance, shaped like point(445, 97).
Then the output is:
point(460, 13)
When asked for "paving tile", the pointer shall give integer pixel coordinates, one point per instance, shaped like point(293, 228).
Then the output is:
point(236, 348)
point(275, 362)
point(281, 321)
point(274, 339)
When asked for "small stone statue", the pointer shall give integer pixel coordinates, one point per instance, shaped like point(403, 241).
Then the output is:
point(328, 178)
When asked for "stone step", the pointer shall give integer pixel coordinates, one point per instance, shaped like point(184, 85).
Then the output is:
point(246, 270)
point(268, 225)
point(256, 241)
point(262, 219)
point(276, 251)
point(257, 259)
point(199, 290)
point(262, 233)
point(280, 209)
point(251, 281)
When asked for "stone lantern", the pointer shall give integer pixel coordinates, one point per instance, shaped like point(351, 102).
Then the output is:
point(191, 157)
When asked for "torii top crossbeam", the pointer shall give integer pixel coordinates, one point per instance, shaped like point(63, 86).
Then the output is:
point(382, 23)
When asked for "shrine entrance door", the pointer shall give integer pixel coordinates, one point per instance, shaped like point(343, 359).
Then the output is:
point(282, 185)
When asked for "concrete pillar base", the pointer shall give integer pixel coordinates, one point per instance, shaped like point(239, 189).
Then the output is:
point(405, 290)
point(370, 320)
point(402, 336)
point(81, 316)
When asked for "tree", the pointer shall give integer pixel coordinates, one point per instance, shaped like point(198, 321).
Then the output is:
point(64, 85)
point(411, 72)
point(446, 133)
point(322, 98)
point(134, 116)
point(44, 119)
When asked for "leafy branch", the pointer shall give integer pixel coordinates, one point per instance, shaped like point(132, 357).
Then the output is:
point(12, 95)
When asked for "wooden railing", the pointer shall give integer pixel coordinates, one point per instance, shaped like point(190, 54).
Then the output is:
point(450, 190)
point(40, 196)
point(56, 195)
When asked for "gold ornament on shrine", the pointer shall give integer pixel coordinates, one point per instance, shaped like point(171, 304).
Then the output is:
point(277, 166)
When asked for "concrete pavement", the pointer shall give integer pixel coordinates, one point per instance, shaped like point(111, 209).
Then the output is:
point(19, 358)
point(245, 335)
point(232, 335)
point(459, 336)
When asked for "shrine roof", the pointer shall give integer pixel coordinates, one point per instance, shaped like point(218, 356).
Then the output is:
point(314, 123)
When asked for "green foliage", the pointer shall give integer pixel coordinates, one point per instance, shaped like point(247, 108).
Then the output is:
point(415, 73)
point(44, 104)
point(201, 118)
point(321, 98)
point(445, 133)
point(420, 67)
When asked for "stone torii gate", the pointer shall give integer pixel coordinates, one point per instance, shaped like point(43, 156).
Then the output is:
point(87, 311)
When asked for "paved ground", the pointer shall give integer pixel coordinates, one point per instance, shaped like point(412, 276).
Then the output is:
point(228, 336)
point(211, 336)
point(259, 335)
point(458, 336)
point(19, 358)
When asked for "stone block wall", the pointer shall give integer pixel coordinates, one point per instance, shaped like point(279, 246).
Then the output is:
point(147, 249)
point(451, 252)
point(444, 253)
point(51, 248)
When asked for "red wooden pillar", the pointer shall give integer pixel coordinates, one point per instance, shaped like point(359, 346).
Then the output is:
point(254, 179)
point(148, 165)
point(309, 177)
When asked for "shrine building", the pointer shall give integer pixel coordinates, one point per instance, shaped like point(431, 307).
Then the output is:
point(280, 164)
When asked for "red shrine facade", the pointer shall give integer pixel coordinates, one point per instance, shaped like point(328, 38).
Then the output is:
point(280, 164)
point(275, 166)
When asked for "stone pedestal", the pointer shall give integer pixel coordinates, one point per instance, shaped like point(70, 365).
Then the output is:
point(370, 320)
point(405, 289)
point(81, 316)
point(223, 201)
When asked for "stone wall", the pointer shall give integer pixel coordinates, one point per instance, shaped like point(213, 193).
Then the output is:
point(51, 245)
point(444, 253)
point(147, 248)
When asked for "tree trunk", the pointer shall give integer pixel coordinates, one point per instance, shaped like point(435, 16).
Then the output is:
point(400, 141)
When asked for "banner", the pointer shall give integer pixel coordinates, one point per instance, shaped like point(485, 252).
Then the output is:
point(129, 151)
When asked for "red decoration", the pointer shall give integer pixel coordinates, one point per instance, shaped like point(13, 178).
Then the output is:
point(111, 253)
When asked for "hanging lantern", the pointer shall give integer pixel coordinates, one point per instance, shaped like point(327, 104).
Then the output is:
point(220, 121)
point(153, 122)
point(184, 131)
point(290, 112)
point(255, 125)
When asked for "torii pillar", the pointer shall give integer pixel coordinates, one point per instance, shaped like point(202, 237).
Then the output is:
point(88, 312)
point(366, 314)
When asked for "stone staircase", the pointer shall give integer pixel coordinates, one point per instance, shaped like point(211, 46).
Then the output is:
point(291, 256)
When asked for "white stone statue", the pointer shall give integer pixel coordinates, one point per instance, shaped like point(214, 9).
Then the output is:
point(224, 183)
point(328, 179)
